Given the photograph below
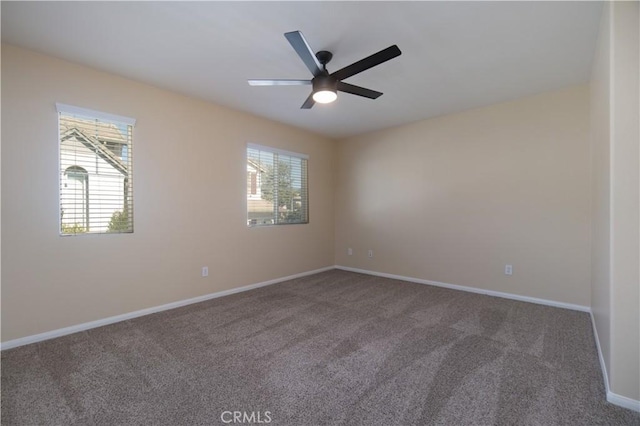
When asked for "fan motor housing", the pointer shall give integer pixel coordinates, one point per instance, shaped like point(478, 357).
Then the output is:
point(324, 82)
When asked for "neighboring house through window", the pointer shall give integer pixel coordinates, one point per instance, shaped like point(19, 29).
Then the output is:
point(277, 187)
point(96, 173)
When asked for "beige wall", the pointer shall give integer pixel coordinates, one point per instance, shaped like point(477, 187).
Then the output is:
point(625, 201)
point(189, 196)
point(453, 199)
point(600, 183)
point(615, 196)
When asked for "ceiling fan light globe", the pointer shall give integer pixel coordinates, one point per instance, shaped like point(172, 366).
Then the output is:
point(325, 96)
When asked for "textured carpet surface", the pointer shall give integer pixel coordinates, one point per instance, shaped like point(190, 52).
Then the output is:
point(332, 348)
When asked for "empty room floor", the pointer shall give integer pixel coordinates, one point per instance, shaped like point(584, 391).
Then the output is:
point(331, 348)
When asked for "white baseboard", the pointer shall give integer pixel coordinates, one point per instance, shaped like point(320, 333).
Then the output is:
point(603, 366)
point(471, 289)
point(130, 315)
point(623, 401)
point(613, 398)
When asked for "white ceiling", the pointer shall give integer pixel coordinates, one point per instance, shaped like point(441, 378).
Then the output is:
point(455, 55)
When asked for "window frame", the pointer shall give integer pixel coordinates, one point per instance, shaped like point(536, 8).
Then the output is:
point(88, 113)
point(277, 151)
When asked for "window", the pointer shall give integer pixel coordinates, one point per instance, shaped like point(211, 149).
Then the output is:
point(96, 181)
point(277, 189)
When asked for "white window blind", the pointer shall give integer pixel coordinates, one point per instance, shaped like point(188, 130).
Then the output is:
point(96, 171)
point(277, 187)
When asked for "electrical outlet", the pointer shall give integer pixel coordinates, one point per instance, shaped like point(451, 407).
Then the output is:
point(205, 271)
point(370, 253)
point(350, 251)
point(508, 269)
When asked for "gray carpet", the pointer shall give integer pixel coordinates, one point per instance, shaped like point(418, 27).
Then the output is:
point(332, 348)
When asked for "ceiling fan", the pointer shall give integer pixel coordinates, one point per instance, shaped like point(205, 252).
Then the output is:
point(326, 85)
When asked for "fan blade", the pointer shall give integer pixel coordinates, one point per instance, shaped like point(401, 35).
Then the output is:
point(279, 82)
point(308, 103)
point(368, 62)
point(357, 90)
point(303, 50)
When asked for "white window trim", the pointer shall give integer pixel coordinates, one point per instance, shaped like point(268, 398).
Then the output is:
point(86, 112)
point(276, 150)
